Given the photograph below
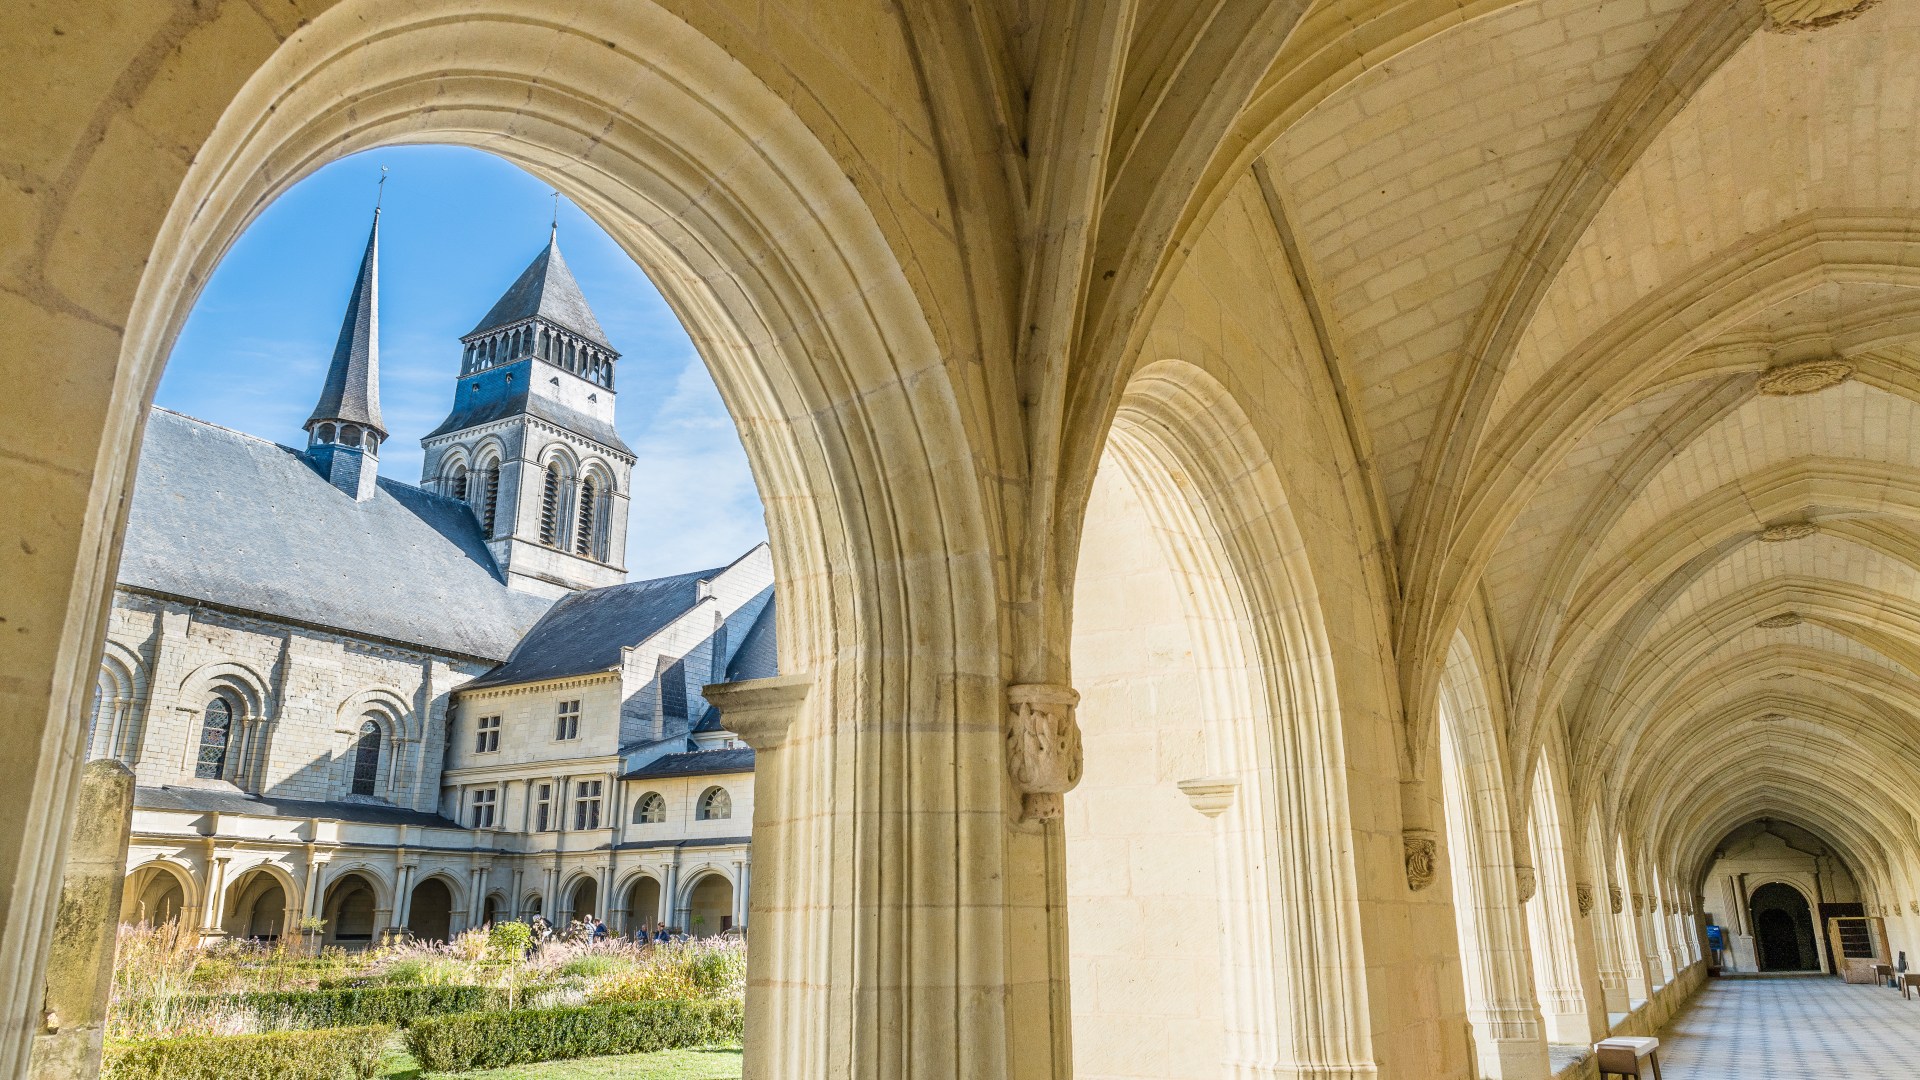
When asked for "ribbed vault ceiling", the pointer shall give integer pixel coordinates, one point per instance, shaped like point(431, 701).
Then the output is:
point(1563, 303)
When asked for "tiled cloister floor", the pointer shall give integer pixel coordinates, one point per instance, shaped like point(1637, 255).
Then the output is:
point(1817, 1028)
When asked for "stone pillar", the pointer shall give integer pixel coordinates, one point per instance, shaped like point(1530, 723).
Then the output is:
point(213, 892)
point(1606, 939)
point(80, 963)
point(742, 892)
point(519, 893)
point(476, 894)
point(669, 884)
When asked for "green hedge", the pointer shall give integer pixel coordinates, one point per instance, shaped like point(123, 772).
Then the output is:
point(493, 1039)
point(339, 1054)
point(398, 1006)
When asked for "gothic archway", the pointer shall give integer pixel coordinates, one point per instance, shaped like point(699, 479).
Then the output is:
point(1783, 931)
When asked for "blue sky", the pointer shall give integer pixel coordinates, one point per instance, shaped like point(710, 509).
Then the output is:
point(457, 227)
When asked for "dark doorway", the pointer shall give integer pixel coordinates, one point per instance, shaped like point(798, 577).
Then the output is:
point(1783, 930)
point(430, 916)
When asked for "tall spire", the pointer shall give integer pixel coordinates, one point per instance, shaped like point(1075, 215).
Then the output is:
point(547, 290)
point(352, 391)
point(344, 433)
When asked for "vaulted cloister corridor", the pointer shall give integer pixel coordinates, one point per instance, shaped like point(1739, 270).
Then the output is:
point(1793, 1026)
point(1485, 429)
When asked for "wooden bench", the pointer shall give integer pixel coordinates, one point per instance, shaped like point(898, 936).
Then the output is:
point(1627, 1056)
point(1908, 983)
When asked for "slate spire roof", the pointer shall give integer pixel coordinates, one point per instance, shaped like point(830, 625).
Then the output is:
point(352, 391)
point(545, 289)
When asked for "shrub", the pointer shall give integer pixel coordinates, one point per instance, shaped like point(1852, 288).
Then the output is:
point(398, 1006)
point(339, 1054)
point(509, 941)
point(593, 965)
point(490, 1040)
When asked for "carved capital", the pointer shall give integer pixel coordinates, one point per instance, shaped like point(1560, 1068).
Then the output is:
point(1422, 854)
point(1211, 795)
point(1615, 901)
point(1527, 879)
point(759, 710)
point(1780, 621)
point(1583, 898)
point(1781, 532)
point(1043, 746)
point(1914, 906)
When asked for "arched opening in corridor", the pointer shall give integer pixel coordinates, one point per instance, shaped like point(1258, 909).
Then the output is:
point(154, 894)
point(491, 908)
point(1783, 932)
point(643, 905)
point(351, 909)
point(583, 899)
point(256, 907)
point(709, 905)
point(430, 911)
point(1201, 918)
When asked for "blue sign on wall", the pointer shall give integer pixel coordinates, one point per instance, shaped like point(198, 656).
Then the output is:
point(1715, 940)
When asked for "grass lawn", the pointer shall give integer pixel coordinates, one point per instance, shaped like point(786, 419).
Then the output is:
point(666, 1065)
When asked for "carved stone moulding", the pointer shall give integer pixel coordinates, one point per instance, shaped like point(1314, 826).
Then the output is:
point(1211, 795)
point(1043, 747)
point(1803, 377)
point(1914, 906)
point(1639, 904)
point(1772, 717)
point(1780, 621)
point(1793, 16)
point(1783, 531)
point(1615, 900)
point(1583, 898)
point(1527, 879)
point(1422, 854)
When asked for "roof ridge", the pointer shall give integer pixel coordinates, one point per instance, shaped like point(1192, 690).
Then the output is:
point(384, 481)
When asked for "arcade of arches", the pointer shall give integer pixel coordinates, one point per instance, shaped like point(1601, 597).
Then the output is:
point(1457, 455)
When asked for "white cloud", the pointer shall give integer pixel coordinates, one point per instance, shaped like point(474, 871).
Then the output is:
point(694, 503)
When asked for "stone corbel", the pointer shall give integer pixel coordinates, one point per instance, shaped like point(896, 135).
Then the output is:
point(1615, 900)
point(759, 710)
point(1527, 879)
point(1043, 747)
point(1422, 855)
point(1583, 897)
point(1211, 795)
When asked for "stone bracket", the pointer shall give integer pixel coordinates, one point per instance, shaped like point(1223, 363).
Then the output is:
point(759, 710)
point(1211, 795)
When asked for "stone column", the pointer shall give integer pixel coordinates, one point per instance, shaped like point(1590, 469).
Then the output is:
point(476, 894)
point(402, 899)
point(1606, 939)
point(213, 894)
point(80, 962)
point(743, 892)
point(669, 884)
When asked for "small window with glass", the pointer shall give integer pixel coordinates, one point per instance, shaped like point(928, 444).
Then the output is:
point(586, 805)
point(484, 802)
point(486, 738)
point(567, 723)
point(650, 810)
point(542, 807)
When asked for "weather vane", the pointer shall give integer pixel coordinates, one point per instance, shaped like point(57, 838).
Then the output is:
point(554, 229)
point(380, 191)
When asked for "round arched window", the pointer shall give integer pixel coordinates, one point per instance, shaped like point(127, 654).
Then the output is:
point(716, 805)
point(216, 731)
point(650, 810)
point(366, 759)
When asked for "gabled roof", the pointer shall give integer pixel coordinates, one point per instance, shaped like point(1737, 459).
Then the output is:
point(207, 801)
point(247, 524)
point(693, 763)
point(584, 632)
point(352, 390)
point(546, 289)
point(757, 657)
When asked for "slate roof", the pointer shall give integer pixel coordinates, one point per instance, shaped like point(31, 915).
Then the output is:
point(546, 288)
point(245, 523)
point(352, 390)
point(502, 392)
point(205, 801)
point(584, 632)
point(756, 658)
point(693, 763)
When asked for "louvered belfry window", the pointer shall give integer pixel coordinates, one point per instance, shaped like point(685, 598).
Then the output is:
point(550, 508)
point(490, 499)
point(216, 730)
point(589, 502)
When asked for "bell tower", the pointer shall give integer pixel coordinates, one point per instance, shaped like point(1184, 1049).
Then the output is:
point(530, 443)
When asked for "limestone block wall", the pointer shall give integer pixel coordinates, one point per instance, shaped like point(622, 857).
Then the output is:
point(302, 695)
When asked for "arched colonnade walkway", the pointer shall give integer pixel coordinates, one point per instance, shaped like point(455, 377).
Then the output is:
point(1309, 536)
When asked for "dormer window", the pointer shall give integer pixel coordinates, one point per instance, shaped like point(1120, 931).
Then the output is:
point(650, 810)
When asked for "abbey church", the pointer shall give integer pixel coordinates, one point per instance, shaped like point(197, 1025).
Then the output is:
point(1324, 539)
point(408, 710)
